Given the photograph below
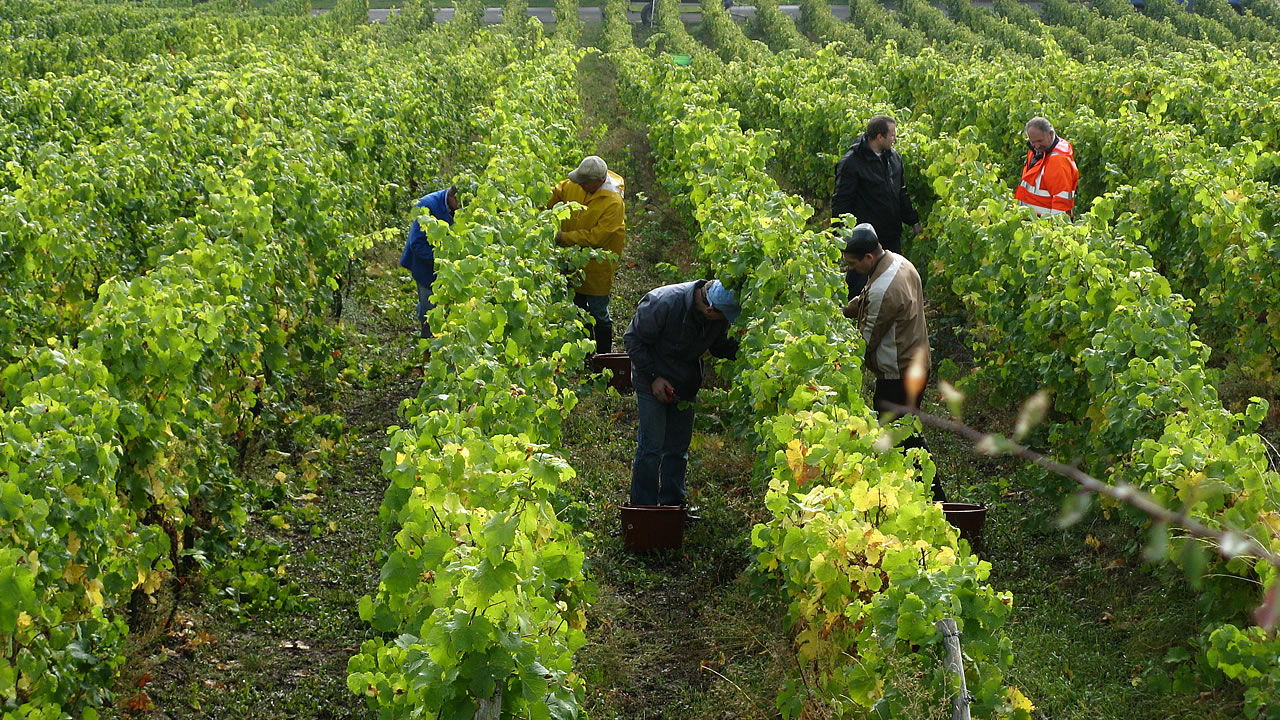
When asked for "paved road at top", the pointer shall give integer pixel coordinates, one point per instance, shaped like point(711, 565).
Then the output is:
point(689, 12)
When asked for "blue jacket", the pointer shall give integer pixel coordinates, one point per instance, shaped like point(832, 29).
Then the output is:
point(668, 336)
point(419, 257)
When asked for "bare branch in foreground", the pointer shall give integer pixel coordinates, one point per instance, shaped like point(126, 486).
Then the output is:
point(1228, 543)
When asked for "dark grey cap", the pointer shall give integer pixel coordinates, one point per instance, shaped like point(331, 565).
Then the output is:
point(860, 240)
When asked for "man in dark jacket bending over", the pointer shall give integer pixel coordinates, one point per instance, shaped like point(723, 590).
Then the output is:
point(870, 186)
point(672, 327)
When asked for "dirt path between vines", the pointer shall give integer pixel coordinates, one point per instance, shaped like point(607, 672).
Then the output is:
point(680, 634)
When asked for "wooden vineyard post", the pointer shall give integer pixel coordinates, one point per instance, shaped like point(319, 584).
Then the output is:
point(955, 664)
point(491, 708)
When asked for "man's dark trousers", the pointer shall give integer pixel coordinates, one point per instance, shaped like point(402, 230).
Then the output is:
point(894, 392)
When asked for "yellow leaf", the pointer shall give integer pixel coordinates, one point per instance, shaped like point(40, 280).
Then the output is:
point(400, 458)
point(1272, 520)
point(862, 497)
point(795, 455)
point(808, 644)
point(818, 562)
point(796, 452)
point(1018, 700)
point(93, 589)
point(73, 573)
point(876, 541)
point(857, 426)
point(946, 557)
point(150, 581)
point(24, 620)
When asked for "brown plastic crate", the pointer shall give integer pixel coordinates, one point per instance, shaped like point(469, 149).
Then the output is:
point(620, 364)
point(652, 527)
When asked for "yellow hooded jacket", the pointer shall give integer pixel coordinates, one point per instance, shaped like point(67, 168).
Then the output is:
point(601, 223)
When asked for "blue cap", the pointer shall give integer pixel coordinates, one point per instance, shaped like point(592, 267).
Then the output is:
point(722, 299)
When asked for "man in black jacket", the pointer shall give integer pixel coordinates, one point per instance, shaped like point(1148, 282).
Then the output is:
point(870, 186)
point(672, 328)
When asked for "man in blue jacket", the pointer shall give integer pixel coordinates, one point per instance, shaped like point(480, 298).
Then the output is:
point(672, 328)
point(419, 257)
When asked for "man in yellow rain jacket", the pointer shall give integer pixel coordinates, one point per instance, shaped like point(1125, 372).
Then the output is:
point(600, 223)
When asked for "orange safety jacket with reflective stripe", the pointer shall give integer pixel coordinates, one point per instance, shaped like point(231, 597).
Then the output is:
point(1049, 186)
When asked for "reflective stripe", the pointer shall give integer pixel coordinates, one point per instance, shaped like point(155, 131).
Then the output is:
point(1035, 190)
point(1042, 210)
point(1059, 147)
point(1041, 200)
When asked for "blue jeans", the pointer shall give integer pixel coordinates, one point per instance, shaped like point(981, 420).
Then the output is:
point(424, 306)
point(597, 306)
point(662, 452)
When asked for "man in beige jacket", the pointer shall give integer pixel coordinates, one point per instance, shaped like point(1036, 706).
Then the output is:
point(890, 315)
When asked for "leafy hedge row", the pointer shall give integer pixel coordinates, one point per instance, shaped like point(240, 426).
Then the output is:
point(1081, 310)
point(778, 30)
point(482, 593)
point(865, 560)
point(118, 425)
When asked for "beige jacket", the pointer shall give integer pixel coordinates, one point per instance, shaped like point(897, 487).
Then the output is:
point(890, 313)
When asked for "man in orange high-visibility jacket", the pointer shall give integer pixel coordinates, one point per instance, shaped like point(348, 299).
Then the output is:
point(1050, 176)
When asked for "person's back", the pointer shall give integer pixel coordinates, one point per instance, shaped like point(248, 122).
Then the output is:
point(601, 223)
point(419, 256)
point(891, 317)
point(667, 338)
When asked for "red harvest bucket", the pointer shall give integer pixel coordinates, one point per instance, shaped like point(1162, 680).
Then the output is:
point(619, 363)
point(652, 527)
